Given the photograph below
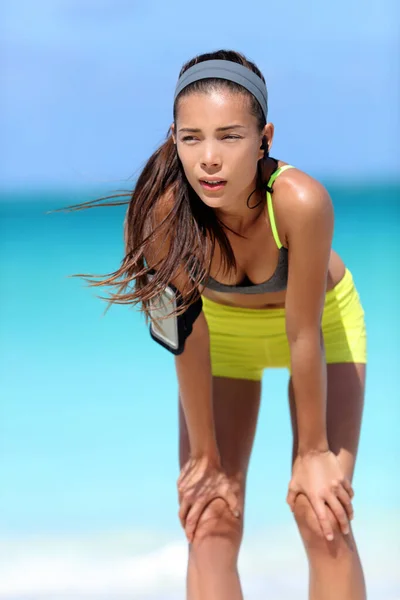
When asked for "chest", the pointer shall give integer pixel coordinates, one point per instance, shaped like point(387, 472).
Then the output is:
point(256, 256)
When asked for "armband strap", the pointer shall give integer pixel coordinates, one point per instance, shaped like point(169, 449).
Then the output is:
point(172, 332)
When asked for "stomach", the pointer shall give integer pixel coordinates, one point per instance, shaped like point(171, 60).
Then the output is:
point(336, 271)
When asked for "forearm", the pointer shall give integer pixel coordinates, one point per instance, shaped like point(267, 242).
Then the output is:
point(310, 390)
point(193, 369)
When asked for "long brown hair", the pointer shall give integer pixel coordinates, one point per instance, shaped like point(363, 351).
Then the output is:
point(193, 227)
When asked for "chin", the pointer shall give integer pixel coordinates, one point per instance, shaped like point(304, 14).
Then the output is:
point(212, 202)
point(214, 199)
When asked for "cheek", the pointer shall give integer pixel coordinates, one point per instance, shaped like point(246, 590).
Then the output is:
point(187, 164)
point(244, 165)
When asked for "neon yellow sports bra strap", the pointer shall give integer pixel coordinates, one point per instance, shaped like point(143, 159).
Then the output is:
point(270, 206)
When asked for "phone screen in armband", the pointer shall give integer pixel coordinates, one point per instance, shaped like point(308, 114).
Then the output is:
point(165, 330)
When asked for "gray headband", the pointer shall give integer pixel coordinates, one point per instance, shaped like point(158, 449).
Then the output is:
point(226, 69)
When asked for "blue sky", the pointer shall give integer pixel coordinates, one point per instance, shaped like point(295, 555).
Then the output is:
point(89, 84)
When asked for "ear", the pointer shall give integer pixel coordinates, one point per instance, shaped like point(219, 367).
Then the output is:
point(267, 136)
point(269, 133)
point(173, 134)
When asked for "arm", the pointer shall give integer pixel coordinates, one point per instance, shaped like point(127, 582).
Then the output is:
point(316, 471)
point(201, 479)
point(193, 369)
point(309, 243)
point(193, 366)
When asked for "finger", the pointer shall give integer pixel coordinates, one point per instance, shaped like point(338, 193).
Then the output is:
point(322, 514)
point(345, 500)
point(193, 517)
point(184, 510)
point(182, 492)
point(338, 510)
point(233, 503)
point(348, 487)
point(291, 499)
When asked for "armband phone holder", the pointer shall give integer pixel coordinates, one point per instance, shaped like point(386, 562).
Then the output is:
point(171, 332)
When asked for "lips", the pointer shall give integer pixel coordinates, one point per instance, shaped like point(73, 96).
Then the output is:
point(213, 184)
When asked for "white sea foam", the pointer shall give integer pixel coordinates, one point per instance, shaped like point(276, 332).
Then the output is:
point(112, 567)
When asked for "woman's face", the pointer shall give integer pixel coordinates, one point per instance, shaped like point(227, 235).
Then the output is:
point(217, 139)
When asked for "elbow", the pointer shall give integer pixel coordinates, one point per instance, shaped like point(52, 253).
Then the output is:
point(306, 351)
point(310, 336)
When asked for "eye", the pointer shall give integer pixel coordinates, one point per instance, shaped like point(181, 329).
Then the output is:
point(192, 138)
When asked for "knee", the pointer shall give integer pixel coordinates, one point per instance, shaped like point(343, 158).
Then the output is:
point(309, 525)
point(218, 527)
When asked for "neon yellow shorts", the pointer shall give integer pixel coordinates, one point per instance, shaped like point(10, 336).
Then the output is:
point(245, 341)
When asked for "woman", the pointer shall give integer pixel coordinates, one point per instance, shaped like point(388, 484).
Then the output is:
point(242, 243)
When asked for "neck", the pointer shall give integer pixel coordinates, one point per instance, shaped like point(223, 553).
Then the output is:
point(240, 218)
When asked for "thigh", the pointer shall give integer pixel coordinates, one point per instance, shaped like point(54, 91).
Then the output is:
point(345, 402)
point(236, 405)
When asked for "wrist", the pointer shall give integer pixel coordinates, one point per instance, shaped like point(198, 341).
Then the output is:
point(314, 449)
point(209, 455)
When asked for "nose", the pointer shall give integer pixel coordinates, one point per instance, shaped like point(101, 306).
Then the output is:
point(210, 156)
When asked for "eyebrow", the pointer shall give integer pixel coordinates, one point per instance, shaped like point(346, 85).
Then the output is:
point(193, 130)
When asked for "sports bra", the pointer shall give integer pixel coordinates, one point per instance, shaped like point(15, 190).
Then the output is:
point(278, 281)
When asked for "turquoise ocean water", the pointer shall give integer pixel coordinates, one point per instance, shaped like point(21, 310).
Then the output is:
point(88, 422)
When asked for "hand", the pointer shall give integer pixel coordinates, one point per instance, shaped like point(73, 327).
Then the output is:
point(201, 481)
point(319, 476)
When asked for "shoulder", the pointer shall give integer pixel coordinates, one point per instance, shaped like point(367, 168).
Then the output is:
point(157, 228)
point(162, 251)
point(297, 191)
point(300, 201)
point(163, 207)
point(157, 223)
